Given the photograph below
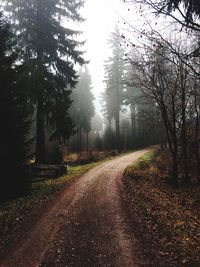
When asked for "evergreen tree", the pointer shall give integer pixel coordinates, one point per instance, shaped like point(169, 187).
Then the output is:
point(82, 109)
point(132, 97)
point(114, 75)
point(14, 120)
point(192, 8)
point(48, 54)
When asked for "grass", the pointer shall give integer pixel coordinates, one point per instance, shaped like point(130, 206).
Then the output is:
point(145, 159)
point(52, 185)
point(142, 163)
point(43, 189)
point(85, 157)
point(20, 212)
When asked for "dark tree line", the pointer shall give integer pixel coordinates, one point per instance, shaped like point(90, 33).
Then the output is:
point(14, 117)
point(38, 53)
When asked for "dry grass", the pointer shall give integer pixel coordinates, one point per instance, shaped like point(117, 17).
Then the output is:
point(85, 157)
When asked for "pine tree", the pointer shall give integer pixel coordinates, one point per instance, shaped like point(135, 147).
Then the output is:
point(82, 108)
point(14, 124)
point(114, 75)
point(49, 52)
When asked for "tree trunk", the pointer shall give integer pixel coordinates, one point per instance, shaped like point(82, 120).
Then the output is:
point(117, 128)
point(175, 159)
point(80, 139)
point(171, 133)
point(133, 126)
point(162, 133)
point(87, 140)
point(77, 141)
point(186, 179)
point(196, 148)
point(196, 151)
point(125, 139)
point(40, 134)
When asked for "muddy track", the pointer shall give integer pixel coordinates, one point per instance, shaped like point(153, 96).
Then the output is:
point(85, 226)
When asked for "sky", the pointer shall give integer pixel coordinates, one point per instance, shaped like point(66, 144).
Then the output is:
point(101, 18)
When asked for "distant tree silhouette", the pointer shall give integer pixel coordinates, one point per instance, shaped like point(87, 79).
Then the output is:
point(82, 109)
point(114, 75)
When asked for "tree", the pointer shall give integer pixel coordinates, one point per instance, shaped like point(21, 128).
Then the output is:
point(184, 12)
point(193, 118)
point(132, 98)
point(82, 109)
point(165, 81)
point(114, 75)
point(48, 54)
point(191, 8)
point(169, 68)
point(142, 112)
point(96, 133)
point(109, 139)
point(14, 117)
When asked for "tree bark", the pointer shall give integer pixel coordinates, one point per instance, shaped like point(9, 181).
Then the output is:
point(196, 143)
point(40, 134)
point(133, 126)
point(80, 139)
point(87, 139)
point(162, 133)
point(77, 140)
point(117, 128)
point(186, 179)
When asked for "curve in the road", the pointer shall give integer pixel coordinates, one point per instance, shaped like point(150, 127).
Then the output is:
point(85, 227)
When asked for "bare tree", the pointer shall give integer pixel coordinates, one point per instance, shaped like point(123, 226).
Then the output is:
point(166, 83)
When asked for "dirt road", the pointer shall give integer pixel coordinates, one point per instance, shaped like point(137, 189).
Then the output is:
point(85, 226)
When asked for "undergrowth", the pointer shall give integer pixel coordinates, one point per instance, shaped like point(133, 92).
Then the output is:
point(165, 220)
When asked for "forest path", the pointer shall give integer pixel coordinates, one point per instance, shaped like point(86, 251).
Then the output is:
point(85, 226)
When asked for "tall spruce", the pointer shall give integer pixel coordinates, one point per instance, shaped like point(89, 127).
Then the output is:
point(82, 109)
point(14, 116)
point(49, 50)
point(114, 75)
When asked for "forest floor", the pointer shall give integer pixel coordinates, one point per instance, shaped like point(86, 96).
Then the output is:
point(82, 225)
point(166, 221)
point(100, 215)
